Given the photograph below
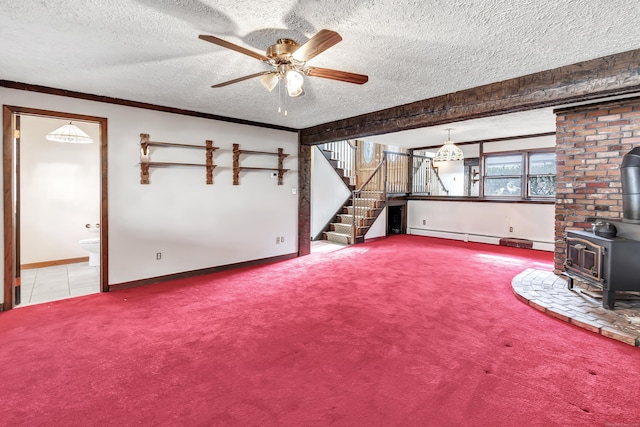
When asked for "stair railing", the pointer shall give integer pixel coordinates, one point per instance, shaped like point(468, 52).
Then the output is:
point(346, 154)
point(438, 180)
point(366, 199)
point(421, 175)
point(397, 172)
point(425, 178)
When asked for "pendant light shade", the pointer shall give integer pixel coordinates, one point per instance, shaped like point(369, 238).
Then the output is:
point(270, 81)
point(69, 133)
point(294, 83)
point(448, 151)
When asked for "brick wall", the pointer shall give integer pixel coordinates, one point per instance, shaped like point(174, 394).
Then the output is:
point(590, 144)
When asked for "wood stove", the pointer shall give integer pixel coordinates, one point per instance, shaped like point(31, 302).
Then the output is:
point(609, 263)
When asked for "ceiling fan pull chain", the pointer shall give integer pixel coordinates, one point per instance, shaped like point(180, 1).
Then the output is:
point(279, 97)
point(285, 99)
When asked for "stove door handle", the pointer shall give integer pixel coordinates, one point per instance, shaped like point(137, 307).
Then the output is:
point(580, 247)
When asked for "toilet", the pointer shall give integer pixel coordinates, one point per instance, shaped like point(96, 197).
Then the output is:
point(92, 245)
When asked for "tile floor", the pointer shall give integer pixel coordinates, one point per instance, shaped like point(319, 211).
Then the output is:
point(40, 285)
point(549, 294)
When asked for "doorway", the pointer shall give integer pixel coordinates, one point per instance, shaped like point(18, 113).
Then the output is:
point(396, 220)
point(67, 263)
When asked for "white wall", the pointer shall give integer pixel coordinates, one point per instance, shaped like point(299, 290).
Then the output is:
point(483, 221)
point(194, 225)
point(487, 222)
point(520, 144)
point(379, 226)
point(59, 191)
point(328, 191)
point(451, 174)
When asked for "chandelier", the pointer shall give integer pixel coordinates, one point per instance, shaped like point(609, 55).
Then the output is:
point(448, 151)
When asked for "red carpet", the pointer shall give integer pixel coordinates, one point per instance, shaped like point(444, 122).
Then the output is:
point(402, 331)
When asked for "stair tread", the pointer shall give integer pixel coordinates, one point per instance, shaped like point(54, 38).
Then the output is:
point(336, 233)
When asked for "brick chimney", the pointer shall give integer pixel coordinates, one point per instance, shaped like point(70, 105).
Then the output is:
point(590, 143)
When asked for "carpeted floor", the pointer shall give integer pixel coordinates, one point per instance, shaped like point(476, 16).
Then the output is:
point(401, 331)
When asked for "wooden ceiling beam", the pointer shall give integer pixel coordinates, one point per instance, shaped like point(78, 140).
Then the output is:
point(612, 75)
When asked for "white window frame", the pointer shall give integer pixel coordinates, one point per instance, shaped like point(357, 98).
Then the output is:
point(524, 177)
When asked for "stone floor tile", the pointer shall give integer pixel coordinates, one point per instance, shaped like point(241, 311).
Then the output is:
point(619, 335)
point(585, 324)
point(537, 306)
point(548, 293)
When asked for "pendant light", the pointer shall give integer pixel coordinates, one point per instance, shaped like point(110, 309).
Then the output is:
point(448, 151)
point(69, 133)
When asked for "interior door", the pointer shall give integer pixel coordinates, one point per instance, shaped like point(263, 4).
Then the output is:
point(370, 156)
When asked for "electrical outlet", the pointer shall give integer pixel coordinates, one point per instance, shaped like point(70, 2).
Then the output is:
point(510, 229)
point(158, 256)
point(294, 191)
point(282, 239)
point(277, 240)
point(424, 222)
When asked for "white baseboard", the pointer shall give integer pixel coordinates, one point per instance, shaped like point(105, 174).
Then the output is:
point(477, 238)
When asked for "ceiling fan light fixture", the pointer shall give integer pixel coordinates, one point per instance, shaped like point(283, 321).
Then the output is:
point(69, 133)
point(269, 81)
point(294, 83)
point(448, 151)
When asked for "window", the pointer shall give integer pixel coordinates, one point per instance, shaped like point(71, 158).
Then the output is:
point(503, 175)
point(542, 175)
point(520, 175)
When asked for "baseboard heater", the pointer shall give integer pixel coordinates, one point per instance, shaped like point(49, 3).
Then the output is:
point(483, 238)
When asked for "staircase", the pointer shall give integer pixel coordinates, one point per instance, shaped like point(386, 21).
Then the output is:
point(365, 210)
point(357, 215)
point(342, 156)
point(425, 177)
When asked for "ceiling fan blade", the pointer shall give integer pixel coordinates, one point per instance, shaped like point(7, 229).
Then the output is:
point(240, 79)
point(317, 44)
point(342, 76)
point(228, 45)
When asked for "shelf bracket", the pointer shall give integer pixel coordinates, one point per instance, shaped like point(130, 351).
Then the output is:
point(144, 158)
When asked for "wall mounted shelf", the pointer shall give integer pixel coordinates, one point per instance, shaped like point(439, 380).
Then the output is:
point(237, 168)
point(146, 163)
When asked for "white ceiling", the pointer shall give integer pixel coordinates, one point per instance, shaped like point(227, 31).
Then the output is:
point(149, 51)
point(503, 126)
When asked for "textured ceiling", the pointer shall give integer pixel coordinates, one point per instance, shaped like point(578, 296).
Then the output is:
point(149, 51)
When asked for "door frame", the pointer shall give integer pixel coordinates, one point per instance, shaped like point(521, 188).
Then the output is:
point(10, 180)
point(402, 204)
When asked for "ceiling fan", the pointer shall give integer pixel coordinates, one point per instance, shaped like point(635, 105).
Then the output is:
point(288, 60)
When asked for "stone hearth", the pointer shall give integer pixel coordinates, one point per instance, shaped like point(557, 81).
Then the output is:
point(549, 294)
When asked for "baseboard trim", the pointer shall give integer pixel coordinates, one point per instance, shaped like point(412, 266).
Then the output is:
point(194, 273)
point(54, 262)
point(476, 238)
